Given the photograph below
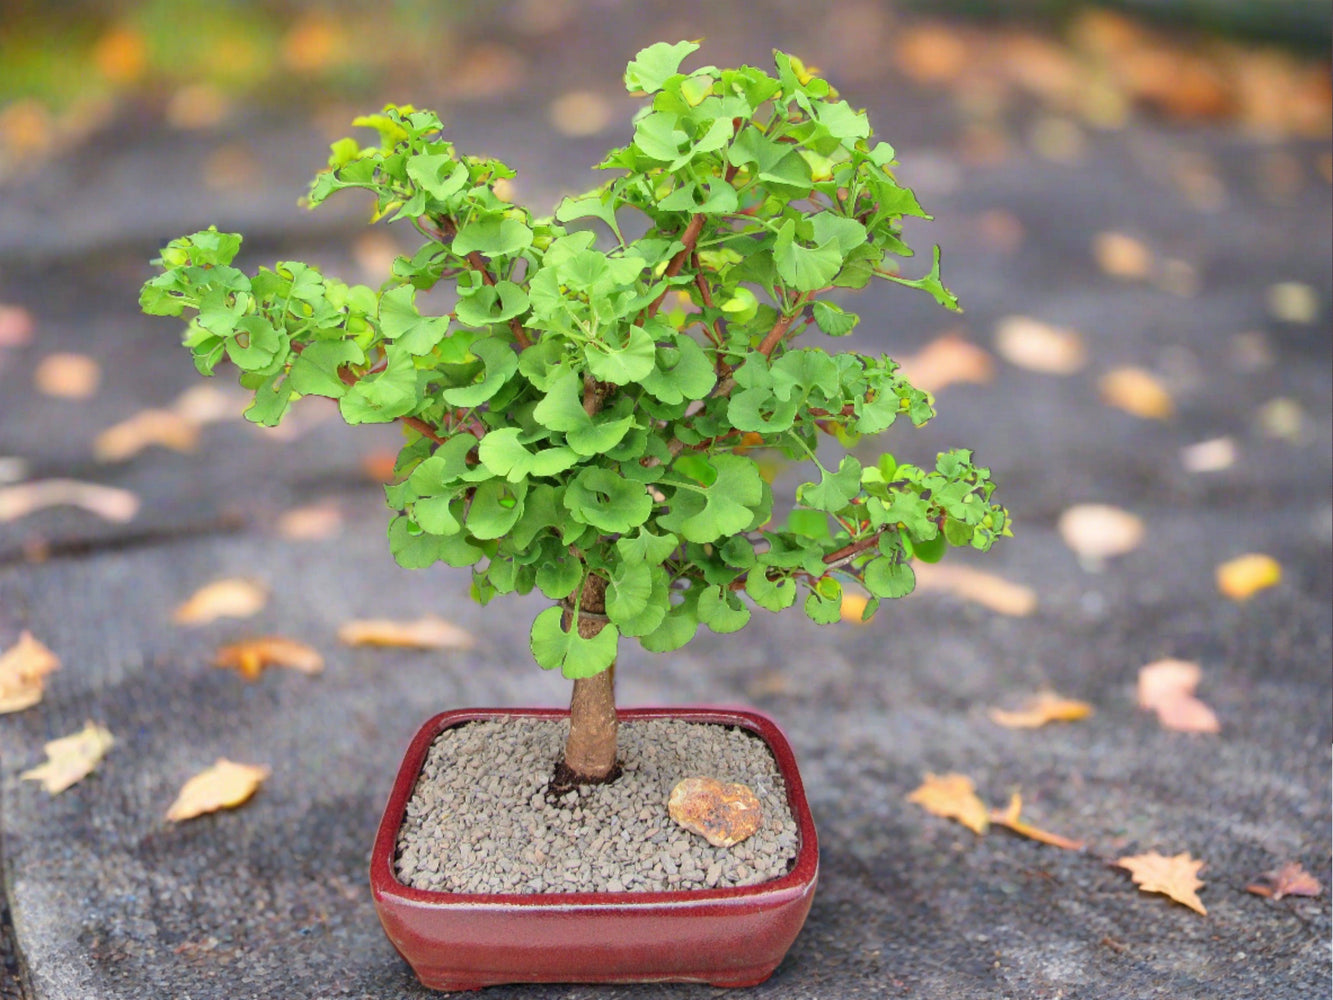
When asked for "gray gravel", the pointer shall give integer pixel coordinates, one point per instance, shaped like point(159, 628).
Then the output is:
point(480, 819)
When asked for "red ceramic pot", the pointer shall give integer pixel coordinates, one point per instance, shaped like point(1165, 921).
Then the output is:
point(726, 937)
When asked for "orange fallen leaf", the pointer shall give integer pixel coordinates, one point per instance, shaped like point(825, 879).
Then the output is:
point(225, 785)
point(251, 656)
point(952, 796)
point(23, 668)
point(67, 376)
point(147, 427)
point(580, 112)
point(70, 759)
point(424, 633)
point(197, 106)
point(1241, 578)
point(1099, 531)
point(121, 55)
point(229, 598)
point(1167, 688)
point(1009, 818)
point(379, 465)
point(946, 360)
point(1040, 347)
point(207, 404)
point(1138, 392)
point(1043, 707)
point(106, 502)
point(1121, 255)
point(1289, 880)
point(931, 53)
point(15, 326)
point(312, 522)
point(1177, 877)
point(990, 591)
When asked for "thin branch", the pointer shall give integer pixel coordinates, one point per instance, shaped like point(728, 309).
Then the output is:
point(690, 238)
point(416, 423)
point(482, 266)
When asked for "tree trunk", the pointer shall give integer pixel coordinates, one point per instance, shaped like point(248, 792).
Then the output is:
point(590, 751)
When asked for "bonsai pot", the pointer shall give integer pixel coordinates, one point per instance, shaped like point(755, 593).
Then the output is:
point(727, 936)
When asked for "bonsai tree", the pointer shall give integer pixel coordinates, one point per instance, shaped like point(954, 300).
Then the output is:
point(581, 421)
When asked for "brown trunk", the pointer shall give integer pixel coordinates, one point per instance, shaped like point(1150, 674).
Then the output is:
point(590, 751)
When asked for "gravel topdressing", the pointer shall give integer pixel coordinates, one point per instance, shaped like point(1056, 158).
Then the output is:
point(479, 819)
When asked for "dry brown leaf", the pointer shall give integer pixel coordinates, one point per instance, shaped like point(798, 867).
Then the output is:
point(1209, 456)
point(1121, 255)
point(1041, 708)
point(312, 522)
point(1009, 818)
point(1167, 688)
point(251, 656)
point(581, 112)
point(223, 786)
point(1177, 877)
point(15, 326)
point(1137, 391)
point(1099, 531)
point(946, 360)
point(67, 376)
point(147, 427)
point(23, 669)
point(1289, 880)
point(952, 796)
point(990, 591)
point(1241, 578)
point(229, 598)
point(1040, 347)
point(107, 502)
point(428, 632)
point(379, 465)
point(70, 759)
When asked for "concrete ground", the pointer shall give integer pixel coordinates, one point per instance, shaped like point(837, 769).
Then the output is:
point(104, 899)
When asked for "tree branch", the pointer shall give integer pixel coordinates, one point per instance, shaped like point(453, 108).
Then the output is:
point(482, 267)
point(690, 238)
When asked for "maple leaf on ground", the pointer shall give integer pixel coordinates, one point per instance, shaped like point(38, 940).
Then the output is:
point(251, 656)
point(1176, 877)
point(1043, 707)
point(1289, 880)
point(952, 796)
point(225, 785)
point(424, 633)
point(23, 668)
point(70, 759)
point(1167, 688)
point(1009, 818)
point(229, 598)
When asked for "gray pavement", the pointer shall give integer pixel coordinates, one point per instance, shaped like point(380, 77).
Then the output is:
point(106, 901)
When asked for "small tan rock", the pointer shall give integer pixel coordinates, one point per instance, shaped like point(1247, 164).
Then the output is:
point(723, 814)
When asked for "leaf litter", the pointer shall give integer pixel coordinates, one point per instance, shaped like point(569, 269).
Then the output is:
point(427, 632)
point(250, 656)
point(72, 758)
point(1040, 709)
point(1176, 877)
point(1167, 688)
point(23, 670)
point(107, 502)
point(232, 597)
point(225, 785)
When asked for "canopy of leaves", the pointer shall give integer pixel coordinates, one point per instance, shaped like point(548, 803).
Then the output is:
point(559, 424)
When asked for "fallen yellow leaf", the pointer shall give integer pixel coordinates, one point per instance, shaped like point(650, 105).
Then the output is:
point(1009, 818)
point(1121, 255)
point(23, 668)
point(121, 55)
point(1177, 877)
point(1138, 392)
point(1293, 302)
point(67, 376)
point(71, 758)
point(1282, 418)
point(946, 360)
point(1241, 578)
point(990, 591)
point(952, 796)
point(223, 786)
point(580, 112)
point(1209, 456)
point(1044, 707)
point(228, 598)
point(1040, 347)
point(147, 427)
point(1167, 688)
point(1099, 531)
point(854, 607)
point(424, 633)
point(106, 502)
point(311, 523)
point(250, 657)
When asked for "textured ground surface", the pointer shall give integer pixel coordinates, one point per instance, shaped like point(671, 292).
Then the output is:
point(108, 901)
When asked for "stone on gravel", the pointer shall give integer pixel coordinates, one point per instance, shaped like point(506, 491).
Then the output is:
point(723, 814)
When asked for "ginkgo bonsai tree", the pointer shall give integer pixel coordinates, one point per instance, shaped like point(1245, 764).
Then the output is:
point(581, 421)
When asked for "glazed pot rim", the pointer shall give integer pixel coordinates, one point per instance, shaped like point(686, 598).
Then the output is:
point(795, 883)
